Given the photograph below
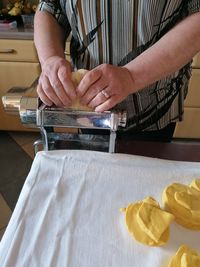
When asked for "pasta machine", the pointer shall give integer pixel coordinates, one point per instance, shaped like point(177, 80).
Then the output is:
point(64, 128)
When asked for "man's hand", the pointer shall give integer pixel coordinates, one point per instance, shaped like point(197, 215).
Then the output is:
point(55, 85)
point(105, 86)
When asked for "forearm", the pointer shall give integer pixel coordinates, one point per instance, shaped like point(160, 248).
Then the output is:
point(169, 54)
point(49, 36)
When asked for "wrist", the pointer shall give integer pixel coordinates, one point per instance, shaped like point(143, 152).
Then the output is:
point(52, 53)
point(131, 80)
point(137, 73)
point(55, 59)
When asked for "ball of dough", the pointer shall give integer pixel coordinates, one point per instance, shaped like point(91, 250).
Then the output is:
point(77, 76)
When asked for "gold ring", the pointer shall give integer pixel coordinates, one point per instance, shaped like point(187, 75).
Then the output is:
point(105, 94)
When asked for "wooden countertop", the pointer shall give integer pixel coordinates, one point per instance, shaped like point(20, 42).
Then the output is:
point(17, 33)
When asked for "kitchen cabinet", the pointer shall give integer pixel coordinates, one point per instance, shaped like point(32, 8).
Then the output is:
point(19, 66)
point(190, 126)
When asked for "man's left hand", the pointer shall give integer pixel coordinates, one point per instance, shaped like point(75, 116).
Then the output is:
point(105, 86)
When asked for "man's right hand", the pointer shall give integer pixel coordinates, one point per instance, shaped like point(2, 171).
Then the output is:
point(55, 85)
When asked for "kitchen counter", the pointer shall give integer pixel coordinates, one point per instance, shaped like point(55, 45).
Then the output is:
point(17, 33)
point(176, 150)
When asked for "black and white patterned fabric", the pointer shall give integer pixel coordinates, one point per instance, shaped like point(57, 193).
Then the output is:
point(116, 32)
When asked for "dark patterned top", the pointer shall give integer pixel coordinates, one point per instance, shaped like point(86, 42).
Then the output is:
point(115, 32)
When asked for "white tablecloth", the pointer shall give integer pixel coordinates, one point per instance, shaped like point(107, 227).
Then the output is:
point(68, 213)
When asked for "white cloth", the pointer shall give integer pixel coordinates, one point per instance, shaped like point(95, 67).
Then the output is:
point(68, 213)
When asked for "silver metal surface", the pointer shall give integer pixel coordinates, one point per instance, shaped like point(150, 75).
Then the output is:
point(11, 104)
point(111, 148)
point(11, 101)
point(24, 102)
point(76, 141)
point(27, 111)
point(57, 117)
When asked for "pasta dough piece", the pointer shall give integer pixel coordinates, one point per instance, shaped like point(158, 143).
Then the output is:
point(153, 221)
point(195, 184)
point(141, 228)
point(189, 260)
point(189, 201)
point(77, 76)
point(184, 257)
point(183, 201)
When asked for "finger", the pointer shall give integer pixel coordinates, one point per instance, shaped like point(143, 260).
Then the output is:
point(59, 90)
point(93, 91)
point(108, 104)
point(43, 96)
point(89, 78)
point(65, 78)
point(49, 91)
point(98, 99)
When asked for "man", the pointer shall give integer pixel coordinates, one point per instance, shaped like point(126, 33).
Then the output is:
point(138, 53)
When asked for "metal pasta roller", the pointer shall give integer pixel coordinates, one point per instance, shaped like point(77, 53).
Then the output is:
point(64, 128)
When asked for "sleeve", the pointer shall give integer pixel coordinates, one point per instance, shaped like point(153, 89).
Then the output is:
point(193, 6)
point(53, 7)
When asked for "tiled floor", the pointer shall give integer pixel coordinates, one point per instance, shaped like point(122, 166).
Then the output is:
point(25, 140)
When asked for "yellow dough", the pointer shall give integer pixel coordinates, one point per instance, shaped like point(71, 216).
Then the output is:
point(184, 202)
point(185, 257)
point(195, 184)
point(153, 221)
point(77, 76)
point(189, 260)
point(147, 223)
point(190, 202)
